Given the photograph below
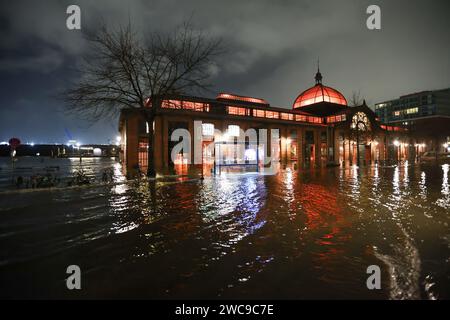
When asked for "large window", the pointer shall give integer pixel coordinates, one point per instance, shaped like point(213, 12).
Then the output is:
point(272, 115)
point(360, 121)
point(237, 111)
point(412, 110)
point(143, 154)
point(233, 130)
point(259, 113)
point(287, 116)
point(207, 129)
point(186, 105)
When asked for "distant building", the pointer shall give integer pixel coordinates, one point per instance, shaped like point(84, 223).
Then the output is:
point(61, 150)
point(426, 114)
point(415, 106)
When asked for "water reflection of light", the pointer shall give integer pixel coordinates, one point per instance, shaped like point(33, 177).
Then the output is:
point(406, 167)
point(396, 180)
point(355, 182)
point(444, 201)
point(376, 177)
point(125, 228)
point(445, 187)
point(326, 226)
point(120, 188)
point(289, 196)
point(225, 184)
point(236, 207)
point(288, 181)
point(423, 185)
point(396, 193)
point(117, 171)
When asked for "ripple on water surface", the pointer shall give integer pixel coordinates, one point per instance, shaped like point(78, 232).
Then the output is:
point(308, 234)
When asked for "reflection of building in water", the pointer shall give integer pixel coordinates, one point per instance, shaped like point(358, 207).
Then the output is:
point(319, 130)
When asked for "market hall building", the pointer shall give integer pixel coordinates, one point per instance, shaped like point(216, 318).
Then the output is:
point(319, 130)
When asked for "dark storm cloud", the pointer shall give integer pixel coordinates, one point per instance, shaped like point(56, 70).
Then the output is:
point(272, 48)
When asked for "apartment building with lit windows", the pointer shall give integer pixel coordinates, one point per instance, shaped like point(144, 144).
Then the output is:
point(414, 106)
point(425, 114)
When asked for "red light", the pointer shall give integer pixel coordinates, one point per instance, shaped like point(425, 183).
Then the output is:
point(319, 93)
point(227, 96)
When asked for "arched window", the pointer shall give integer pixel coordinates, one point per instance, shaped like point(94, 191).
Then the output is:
point(360, 121)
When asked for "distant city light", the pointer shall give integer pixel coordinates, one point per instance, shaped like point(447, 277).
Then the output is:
point(396, 143)
point(78, 144)
point(4, 143)
point(32, 144)
point(446, 145)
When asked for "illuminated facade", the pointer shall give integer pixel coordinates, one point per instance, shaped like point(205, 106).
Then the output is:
point(319, 130)
point(415, 106)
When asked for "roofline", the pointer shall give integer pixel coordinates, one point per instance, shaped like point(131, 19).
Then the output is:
point(235, 103)
point(322, 86)
point(412, 94)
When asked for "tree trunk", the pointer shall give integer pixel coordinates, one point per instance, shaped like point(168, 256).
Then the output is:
point(151, 173)
point(149, 118)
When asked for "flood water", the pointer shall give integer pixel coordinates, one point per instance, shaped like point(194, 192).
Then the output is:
point(296, 235)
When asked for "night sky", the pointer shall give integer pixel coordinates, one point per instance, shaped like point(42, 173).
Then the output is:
point(271, 52)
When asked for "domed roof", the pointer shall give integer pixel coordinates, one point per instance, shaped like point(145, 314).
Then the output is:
point(319, 93)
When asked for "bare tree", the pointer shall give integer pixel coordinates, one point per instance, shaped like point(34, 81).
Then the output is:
point(125, 71)
point(356, 99)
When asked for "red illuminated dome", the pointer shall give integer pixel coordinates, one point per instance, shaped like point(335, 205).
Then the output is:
point(319, 93)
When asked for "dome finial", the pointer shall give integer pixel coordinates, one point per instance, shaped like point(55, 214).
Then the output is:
point(318, 76)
